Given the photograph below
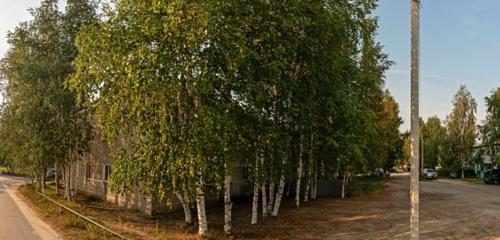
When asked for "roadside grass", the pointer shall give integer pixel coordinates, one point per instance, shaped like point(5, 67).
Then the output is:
point(136, 225)
point(67, 224)
point(473, 180)
point(129, 223)
point(3, 169)
point(365, 184)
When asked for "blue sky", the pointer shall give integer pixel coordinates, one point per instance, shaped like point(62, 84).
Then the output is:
point(460, 44)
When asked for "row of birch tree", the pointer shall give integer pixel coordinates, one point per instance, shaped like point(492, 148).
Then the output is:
point(294, 90)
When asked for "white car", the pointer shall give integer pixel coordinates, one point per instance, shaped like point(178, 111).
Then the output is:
point(429, 173)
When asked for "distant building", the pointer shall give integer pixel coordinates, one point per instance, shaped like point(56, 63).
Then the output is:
point(483, 155)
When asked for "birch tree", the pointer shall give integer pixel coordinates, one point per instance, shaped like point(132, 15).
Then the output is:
point(461, 128)
point(44, 112)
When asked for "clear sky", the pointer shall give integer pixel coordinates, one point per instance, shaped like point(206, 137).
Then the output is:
point(12, 12)
point(460, 44)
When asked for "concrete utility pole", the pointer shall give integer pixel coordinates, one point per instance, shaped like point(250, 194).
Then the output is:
point(422, 156)
point(415, 128)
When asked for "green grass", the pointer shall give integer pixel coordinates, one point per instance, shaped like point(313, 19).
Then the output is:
point(66, 223)
point(3, 169)
point(366, 184)
point(474, 180)
point(131, 223)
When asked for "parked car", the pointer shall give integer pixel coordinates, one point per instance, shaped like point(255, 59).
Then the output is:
point(455, 174)
point(491, 176)
point(379, 172)
point(429, 173)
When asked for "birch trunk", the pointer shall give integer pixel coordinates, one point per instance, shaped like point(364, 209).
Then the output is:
point(228, 205)
point(42, 183)
point(56, 179)
point(299, 173)
point(67, 181)
point(343, 186)
point(310, 169)
point(188, 218)
point(255, 203)
point(315, 182)
point(264, 190)
point(264, 200)
point(271, 198)
point(308, 187)
point(200, 204)
point(279, 195)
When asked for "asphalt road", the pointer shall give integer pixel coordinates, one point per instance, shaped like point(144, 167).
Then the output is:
point(17, 221)
point(13, 224)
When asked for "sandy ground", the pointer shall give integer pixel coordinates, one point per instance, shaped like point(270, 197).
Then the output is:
point(450, 209)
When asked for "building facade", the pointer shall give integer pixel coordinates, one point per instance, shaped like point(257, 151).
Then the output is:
point(92, 171)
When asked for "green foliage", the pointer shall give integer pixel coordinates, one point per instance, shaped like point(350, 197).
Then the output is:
point(461, 131)
point(489, 131)
point(191, 86)
point(434, 135)
point(41, 123)
point(184, 89)
point(392, 148)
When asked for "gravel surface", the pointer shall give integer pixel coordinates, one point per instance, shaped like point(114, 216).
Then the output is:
point(449, 209)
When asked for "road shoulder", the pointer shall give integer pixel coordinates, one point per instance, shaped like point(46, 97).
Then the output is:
point(44, 231)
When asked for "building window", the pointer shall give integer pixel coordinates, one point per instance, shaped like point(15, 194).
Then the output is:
point(106, 172)
point(88, 171)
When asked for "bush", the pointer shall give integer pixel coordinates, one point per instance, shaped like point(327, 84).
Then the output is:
point(443, 172)
point(359, 185)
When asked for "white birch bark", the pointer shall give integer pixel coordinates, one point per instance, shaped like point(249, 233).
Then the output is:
point(264, 200)
point(263, 188)
point(315, 182)
point(228, 205)
point(67, 181)
point(271, 198)
point(299, 173)
point(309, 182)
point(255, 203)
point(308, 188)
point(310, 170)
point(200, 204)
point(343, 186)
point(188, 218)
point(279, 196)
point(56, 179)
point(76, 181)
point(42, 183)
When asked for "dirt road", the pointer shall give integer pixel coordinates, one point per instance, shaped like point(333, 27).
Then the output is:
point(450, 209)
